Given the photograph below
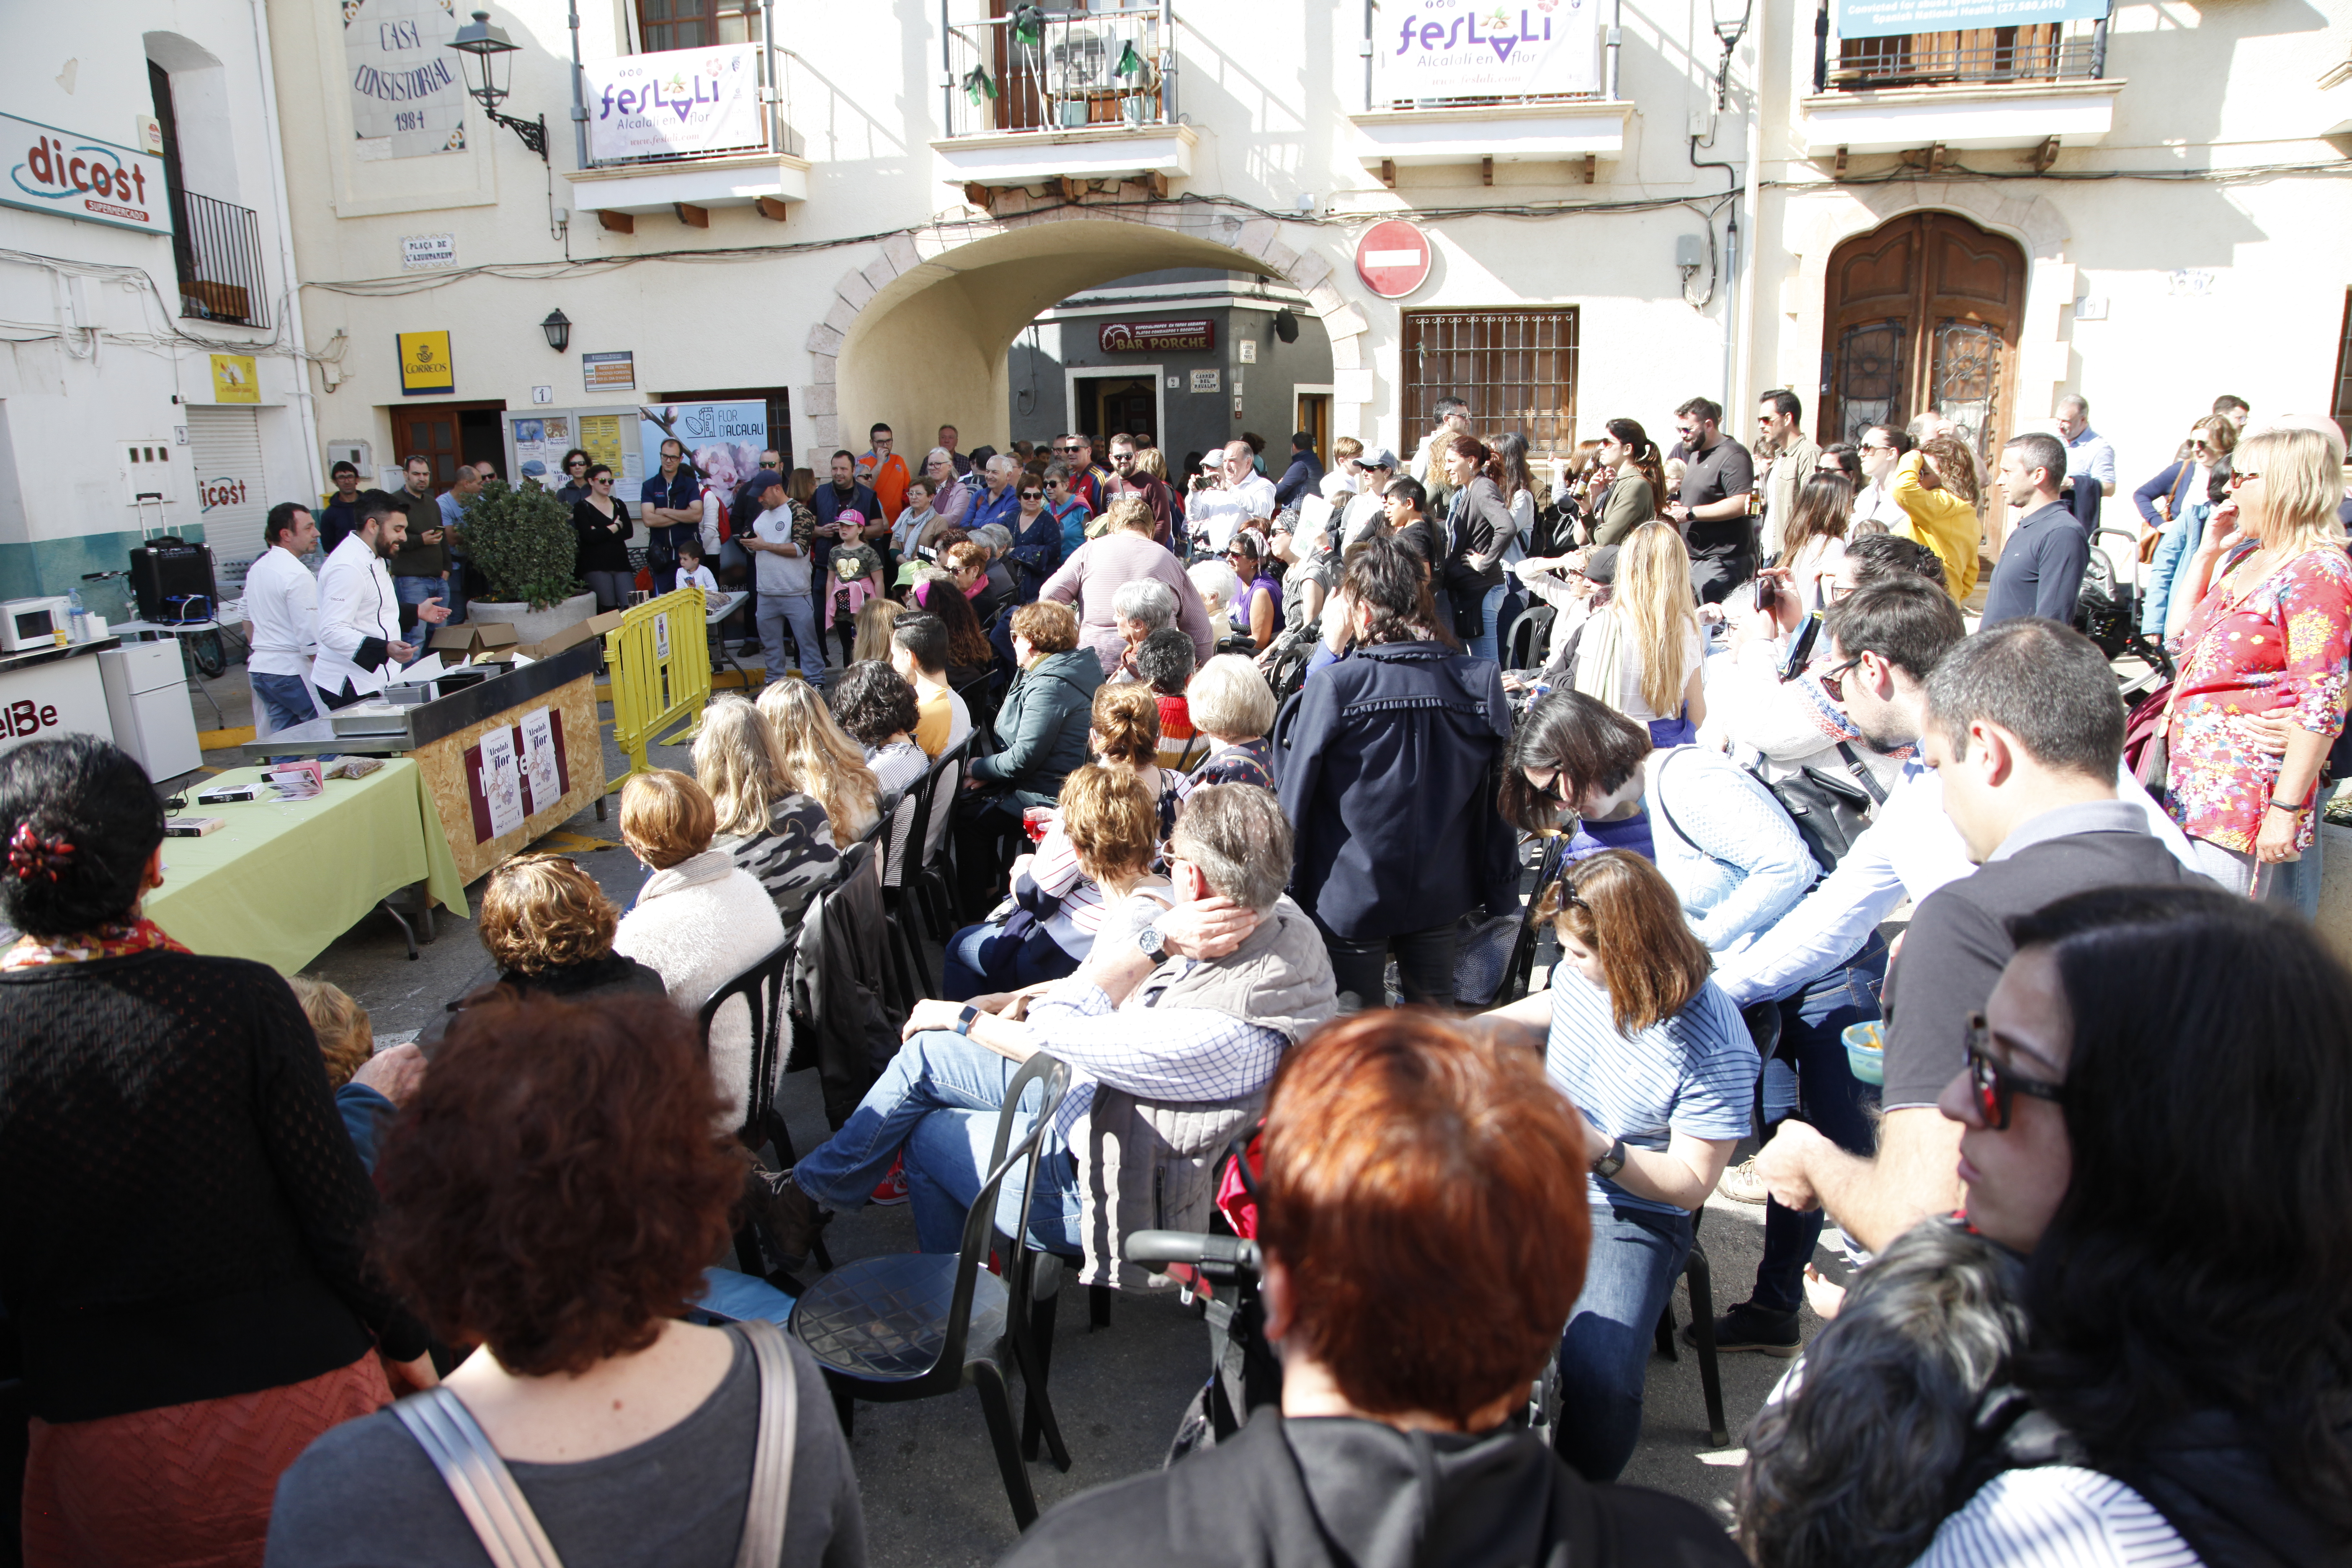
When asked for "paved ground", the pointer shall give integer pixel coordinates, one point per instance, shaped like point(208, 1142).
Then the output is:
point(932, 1494)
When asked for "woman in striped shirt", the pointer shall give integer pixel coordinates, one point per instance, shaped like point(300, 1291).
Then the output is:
point(1655, 1057)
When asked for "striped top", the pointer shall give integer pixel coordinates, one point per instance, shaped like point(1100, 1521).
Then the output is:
point(1694, 1074)
point(2057, 1516)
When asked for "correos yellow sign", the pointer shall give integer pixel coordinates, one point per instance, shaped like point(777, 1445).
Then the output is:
point(425, 369)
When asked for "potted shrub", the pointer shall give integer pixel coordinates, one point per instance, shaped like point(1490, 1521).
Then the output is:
point(521, 540)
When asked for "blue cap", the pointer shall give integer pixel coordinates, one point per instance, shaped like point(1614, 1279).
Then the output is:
point(765, 480)
point(535, 468)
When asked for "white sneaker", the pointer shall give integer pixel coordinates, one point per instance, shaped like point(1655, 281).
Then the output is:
point(1742, 1184)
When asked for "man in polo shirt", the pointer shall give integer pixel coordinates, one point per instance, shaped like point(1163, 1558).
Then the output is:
point(2025, 732)
point(420, 566)
point(1792, 462)
point(885, 473)
point(341, 512)
point(781, 574)
point(463, 492)
point(2090, 461)
point(1089, 482)
point(670, 503)
point(1719, 488)
point(2039, 572)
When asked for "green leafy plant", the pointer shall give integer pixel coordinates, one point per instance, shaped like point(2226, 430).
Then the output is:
point(521, 540)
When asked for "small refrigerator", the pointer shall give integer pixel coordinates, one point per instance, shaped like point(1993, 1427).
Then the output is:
point(147, 700)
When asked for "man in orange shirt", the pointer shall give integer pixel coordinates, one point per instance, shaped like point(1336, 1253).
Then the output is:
point(885, 473)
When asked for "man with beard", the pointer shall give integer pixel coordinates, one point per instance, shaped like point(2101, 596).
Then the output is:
point(360, 634)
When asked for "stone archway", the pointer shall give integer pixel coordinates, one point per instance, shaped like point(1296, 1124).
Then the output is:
point(1818, 222)
point(916, 337)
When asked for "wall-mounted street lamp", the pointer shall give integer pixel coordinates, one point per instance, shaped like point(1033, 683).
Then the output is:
point(557, 327)
point(489, 77)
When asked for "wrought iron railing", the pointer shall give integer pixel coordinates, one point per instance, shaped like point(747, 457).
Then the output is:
point(1033, 69)
point(2044, 51)
point(218, 250)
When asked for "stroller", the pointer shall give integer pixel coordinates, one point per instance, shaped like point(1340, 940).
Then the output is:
point(2108, 611)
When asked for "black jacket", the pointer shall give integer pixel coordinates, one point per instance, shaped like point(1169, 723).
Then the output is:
point(1335, 1492)
point(1388, 761)
point(600, 549)
point(841, 1019)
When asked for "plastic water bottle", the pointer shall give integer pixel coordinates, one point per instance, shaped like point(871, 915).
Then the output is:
point(76, 617)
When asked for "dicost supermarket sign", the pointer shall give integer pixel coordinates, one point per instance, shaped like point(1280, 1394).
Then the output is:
point(78, 176)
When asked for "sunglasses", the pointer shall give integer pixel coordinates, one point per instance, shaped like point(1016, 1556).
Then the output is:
point(603, 479)
point(1033, 495)
point(1833, 679)
point(1994, 1086)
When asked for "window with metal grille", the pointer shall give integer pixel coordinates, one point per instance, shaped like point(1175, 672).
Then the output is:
point(1516, 369)
point(696, 24)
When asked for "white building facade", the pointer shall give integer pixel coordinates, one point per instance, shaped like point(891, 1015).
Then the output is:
point(822, 217)
point(152, 380)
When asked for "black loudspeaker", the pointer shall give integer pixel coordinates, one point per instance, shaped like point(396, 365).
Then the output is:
point(165, 569)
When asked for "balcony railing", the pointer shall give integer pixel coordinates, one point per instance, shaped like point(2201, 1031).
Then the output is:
point(218, 250)
point(1032, 70)
point(2044, 51)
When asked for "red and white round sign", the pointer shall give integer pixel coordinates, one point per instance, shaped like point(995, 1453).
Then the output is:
point(1392, 259)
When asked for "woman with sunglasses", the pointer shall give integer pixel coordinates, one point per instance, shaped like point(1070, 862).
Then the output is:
point(600, 520)
point(1628, 465)
point(2176, 546)
point(2261, 636)
point(1257, 611)
point(575, 477)
point(1036, 547)
point(2182, 482)
point(1654, 1056)
point(2130, 1090)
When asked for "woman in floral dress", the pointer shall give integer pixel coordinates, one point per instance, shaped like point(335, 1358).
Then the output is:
point(2260, 692)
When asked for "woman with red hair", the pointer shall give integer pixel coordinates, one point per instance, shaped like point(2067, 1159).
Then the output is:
point(1423, 1232)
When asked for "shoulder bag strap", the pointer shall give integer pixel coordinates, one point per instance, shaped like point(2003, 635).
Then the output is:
point(1658, 802)
point(1862, 775)
point(485, 1489)
point(772, 1454)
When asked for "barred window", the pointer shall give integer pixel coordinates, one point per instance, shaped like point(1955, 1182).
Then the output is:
point(1516, 369)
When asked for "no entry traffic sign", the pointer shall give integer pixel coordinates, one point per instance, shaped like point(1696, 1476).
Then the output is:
point(1392, 259)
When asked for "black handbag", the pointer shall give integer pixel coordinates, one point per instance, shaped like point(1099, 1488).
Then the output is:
point(1830, 811)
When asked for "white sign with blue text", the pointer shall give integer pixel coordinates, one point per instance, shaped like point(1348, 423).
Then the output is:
point(1886, 18)
point(674, 101)
point(1489, 49)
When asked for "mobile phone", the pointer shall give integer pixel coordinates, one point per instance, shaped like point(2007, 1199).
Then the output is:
point(1768, 592)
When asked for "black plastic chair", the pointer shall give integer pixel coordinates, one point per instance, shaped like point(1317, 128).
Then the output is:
point(908, 971)
point(909, 1326)
point(924, 887)
point(765, 989)
point(1529, 634)
point(1701, 1282)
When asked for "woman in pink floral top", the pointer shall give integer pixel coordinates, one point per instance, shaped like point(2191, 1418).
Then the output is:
point(2263, 658)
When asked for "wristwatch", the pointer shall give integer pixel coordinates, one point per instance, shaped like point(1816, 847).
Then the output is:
point(964, 1018)
point(1609, 1164)
point(1148, 942)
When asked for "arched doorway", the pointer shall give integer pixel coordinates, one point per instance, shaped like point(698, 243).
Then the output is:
point(1923, 314)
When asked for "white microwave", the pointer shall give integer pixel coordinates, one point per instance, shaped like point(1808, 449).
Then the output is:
point(28, 624)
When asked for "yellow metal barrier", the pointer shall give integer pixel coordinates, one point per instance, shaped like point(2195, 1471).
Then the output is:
point(660, 662)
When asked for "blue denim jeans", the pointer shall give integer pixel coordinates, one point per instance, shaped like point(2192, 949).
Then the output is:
point(1604, 1357)
point(982, 958)
point(940, 1076)
point(1837, 1104)
point(285, 699)
point(1483, 645)
point(416, 591)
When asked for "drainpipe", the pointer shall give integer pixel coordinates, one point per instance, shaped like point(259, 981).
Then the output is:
point(306, 409)
point(1368, 55)
point(947, 74)
point(1616, 42)
point(1168, 61)
point(579, 106)
point(776, 132)
point(1744, 266)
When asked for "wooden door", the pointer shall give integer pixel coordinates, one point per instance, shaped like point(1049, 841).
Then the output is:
point(432, 433)
point(1315, 418)
point(1922, 314)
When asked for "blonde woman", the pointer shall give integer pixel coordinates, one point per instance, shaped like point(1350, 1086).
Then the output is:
point(1936, 487)
point(2262, 624)
point(874, 624)
point(816, 758)
point(1642, 654)
point(780, 835)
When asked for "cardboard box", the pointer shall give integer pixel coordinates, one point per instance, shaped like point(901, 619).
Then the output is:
point(593, 628)
point(470, 641)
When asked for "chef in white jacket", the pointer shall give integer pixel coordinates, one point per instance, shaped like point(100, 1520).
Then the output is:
point(359, 613)
point(282, 612)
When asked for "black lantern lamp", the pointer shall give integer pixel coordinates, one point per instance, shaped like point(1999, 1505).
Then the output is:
point(488, 74)
point(557, 327)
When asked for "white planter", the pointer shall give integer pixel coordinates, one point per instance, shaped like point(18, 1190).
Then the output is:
point(533, 625)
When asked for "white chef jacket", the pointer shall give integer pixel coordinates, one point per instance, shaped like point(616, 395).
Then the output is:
point(356, 602)
point(281, 607)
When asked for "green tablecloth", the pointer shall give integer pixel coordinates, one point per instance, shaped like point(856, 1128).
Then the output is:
point(284, 878)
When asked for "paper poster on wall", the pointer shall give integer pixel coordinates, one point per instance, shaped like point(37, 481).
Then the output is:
point(499, 776)
point(408, 95)
point(673, 101)
point(600, 437)
point(234, 379)
point(1475, 49)
point(541, 774)
point(723, 440)
point(1885, 19)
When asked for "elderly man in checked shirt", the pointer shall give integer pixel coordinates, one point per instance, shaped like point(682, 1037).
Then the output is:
point(1192, 1003)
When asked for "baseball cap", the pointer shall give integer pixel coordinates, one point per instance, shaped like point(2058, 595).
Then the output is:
point(761, 482)
point(535, 468)
point(849, 517)
point(1214, 462)
point(1384, 458)
point(1601, 564)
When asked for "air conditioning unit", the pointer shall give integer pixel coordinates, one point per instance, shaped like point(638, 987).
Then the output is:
point(149, 471)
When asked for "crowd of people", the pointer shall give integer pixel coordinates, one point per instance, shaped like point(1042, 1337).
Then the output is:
point(1233, 782)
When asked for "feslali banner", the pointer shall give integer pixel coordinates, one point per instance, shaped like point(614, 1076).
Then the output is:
point(1479, 48)
point(1883, 18)
point(679, 100)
